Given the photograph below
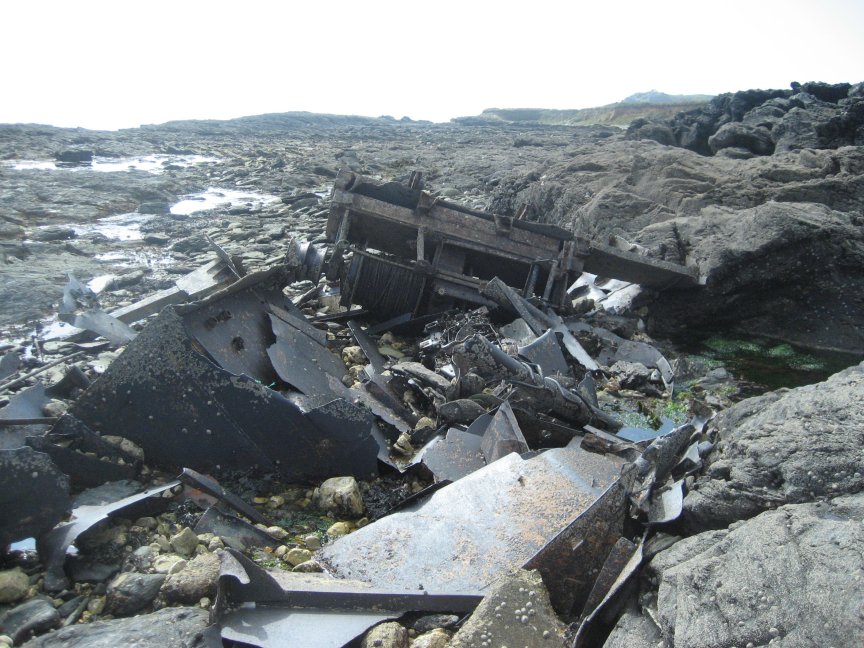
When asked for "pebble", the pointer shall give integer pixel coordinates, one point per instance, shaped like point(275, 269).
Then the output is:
point(297, 556)
point(339, 529)
point(312, 541)
point(184, 543)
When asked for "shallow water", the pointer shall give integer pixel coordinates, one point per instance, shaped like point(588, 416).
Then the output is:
point(215, 197)
point(150, 163)
point(770, 364)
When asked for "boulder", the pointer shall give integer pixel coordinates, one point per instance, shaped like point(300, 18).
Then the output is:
point(788, 446)
point(788, 577)
point(177, 627)
point(787, 270)
point(14, 584)
point(33, 617)
point(736, 135)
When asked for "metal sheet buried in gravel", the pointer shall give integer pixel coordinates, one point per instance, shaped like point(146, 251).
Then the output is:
point(475, 529)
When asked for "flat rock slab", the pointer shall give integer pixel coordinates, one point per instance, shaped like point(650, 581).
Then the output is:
point(167, 628)
point(785, 447)
point(468, 533)
point(516, 612)
point(792, 577)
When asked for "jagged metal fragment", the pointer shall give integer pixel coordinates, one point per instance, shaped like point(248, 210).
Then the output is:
point(213, 488)
point(301, 361)
point(26, 405)
point(9, 364)
point(53, 545)
point(271, 609)
point(666, 506)
point(34, 494)
point(503, 435)
point(234, 532)
point(83, 470)
point(101, 323)
point(545, 352)
point(614, 564)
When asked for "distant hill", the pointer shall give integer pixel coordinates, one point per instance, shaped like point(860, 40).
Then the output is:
point(655, 97)
point(644, 105)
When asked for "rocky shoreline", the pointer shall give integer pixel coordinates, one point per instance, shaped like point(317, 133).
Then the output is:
point(763, 191)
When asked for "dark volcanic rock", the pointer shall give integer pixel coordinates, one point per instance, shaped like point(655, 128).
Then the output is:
point(783, 447)
point(131, 592)
point(74, 157)
point(766, 271)
point(789, 577)
point(167, 628)
point(755, 139)
point(35, 616)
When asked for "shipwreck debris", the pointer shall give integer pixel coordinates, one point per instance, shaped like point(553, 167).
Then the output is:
point(415, 253)
point(269, 609)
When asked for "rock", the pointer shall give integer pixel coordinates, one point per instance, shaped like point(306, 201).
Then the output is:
point(403, 446)
point(386, 635)
point(184, 543)
point(14, 584)
point(424, 424)
point(426, 376)
point(130, 592)
point(755, 139)
point(788, 446)
point(461, 411)
point(308, 567)
point(178, 627)
point(339, 529)
point(437, 638)
point(434, 621)
point(515, 612)
point(194, 582)
point(55, 407)
point(634, 630)
point(340, 495)
point(74, 156)
point(53, 233)
point(783, 245)
point(296, 556)
point(792, 575)
point(90, 569)
point(33, 617)
point(353, 355)
point(631, 375)
point(642, 129)
point(161, 240)
point(154, 208)
point(169, 564)
point(312, 541)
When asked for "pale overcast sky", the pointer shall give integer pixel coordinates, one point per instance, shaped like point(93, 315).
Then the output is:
point(122, 63)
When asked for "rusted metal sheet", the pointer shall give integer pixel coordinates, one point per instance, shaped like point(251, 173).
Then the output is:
point(454, 455)
point(568, 560)
point(34, 494)
point(470, 532)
